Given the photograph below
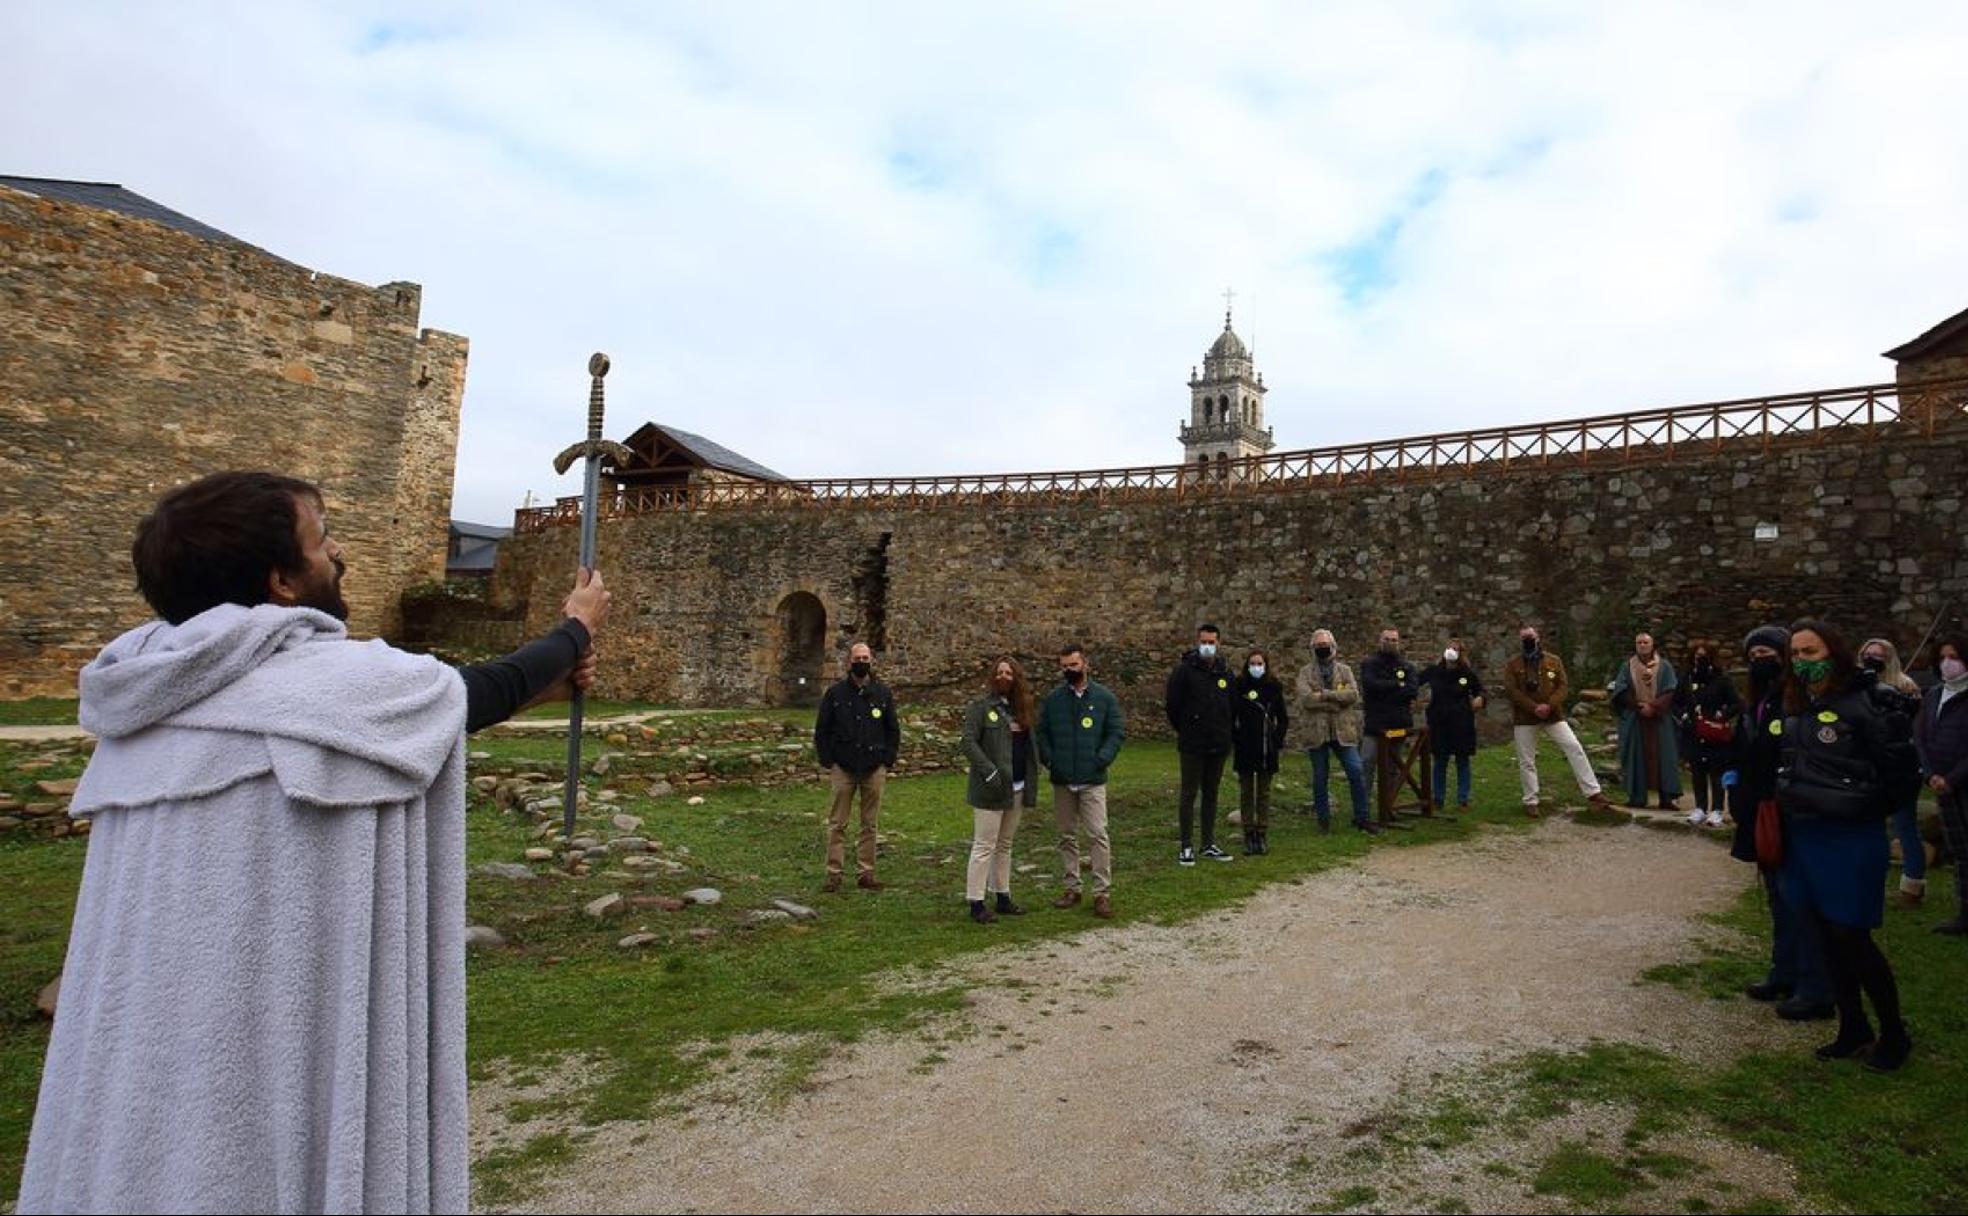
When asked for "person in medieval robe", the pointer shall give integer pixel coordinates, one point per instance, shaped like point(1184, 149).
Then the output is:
point(1643, 696)
point(263, 1003)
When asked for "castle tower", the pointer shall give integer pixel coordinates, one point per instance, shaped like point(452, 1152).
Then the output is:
point(1226, 407)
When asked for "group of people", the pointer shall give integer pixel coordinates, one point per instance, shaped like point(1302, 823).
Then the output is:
point(263, 1000)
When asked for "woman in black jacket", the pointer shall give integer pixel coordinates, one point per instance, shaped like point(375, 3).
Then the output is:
point(1455, 693)
point(1706, 706)
point(1844, 756)
point(1941, 734)
point(1258, 738)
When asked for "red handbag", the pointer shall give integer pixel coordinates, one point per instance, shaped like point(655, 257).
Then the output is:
point(1708, 730)
point(1769, 835)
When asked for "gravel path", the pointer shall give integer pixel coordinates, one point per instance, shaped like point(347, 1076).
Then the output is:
point(1146, 1069)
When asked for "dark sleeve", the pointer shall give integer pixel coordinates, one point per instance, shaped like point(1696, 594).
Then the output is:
point(1113, 732)
point(495, 691)
point(1284, 712)
point(823, 730)
point(1372, 681)
point(1172, 699)
point(1042, 731)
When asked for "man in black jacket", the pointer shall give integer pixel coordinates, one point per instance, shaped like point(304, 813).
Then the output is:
point(1199, 709)
point(857, 736)
point(1388, 687)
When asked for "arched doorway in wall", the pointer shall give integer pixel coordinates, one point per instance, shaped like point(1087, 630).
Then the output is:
point(802, 648)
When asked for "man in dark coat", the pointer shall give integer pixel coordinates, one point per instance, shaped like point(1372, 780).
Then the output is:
point(1198, 704)
point(856, 737)
point(1389, 684)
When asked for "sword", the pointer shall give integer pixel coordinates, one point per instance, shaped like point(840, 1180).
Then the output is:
point(594, 449)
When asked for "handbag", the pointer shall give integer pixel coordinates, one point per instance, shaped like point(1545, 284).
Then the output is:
point(1769, 835)
point(1708, 730)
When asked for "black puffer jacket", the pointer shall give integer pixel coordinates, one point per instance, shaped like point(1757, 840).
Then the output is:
point(1712, 695)
point(1849, 757)
point(1260, 723)
point(1942, 736)
point(1451, 718)
point(1198, 704)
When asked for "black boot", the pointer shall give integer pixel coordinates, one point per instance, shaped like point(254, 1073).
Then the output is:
point(981, 914)
point(1006, 907)
point(1250, 842)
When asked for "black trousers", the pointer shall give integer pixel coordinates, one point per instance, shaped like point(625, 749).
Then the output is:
point(1707, 780)
point(1205, 774)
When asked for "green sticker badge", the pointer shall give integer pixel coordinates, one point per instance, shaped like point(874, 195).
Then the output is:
point(875, 712)
point(1826, 716)
point(1776, 728)
point(992, 715)
point(1086, 723)
point(1222, 683)
point(1252, 694)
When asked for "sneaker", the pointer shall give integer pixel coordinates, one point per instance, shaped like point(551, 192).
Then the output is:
point(1187, 857)
point(1697, 817)
point(1216, 854)
point(1715, 819)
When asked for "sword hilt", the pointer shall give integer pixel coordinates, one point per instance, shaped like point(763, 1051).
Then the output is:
point(597, 368)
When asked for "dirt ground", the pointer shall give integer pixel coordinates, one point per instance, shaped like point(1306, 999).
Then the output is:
point(1223, 1065)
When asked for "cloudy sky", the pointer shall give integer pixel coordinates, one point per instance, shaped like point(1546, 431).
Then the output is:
point(895, 238)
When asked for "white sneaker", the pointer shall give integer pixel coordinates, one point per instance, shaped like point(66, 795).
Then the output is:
point(1697, 817)
point(1715, 819)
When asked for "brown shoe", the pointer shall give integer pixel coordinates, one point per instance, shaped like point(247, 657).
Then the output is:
point(1599, 802)
point(1103, 907)
point(868, 882)
point(833, 884)
point(1531, 809)
point(1911, 899)
point(1068, 898)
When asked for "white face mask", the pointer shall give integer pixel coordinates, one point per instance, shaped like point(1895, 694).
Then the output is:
point(1450, 655)
point(1257, 671)
point(1206, 649)
point(1953, 669)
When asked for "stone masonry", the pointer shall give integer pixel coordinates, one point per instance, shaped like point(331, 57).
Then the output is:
point(135, 356)
point(1867, 533)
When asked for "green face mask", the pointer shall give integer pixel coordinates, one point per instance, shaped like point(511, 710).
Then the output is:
point(1811, 671)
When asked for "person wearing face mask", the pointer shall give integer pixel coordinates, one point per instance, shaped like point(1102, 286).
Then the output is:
point(1004, 771)
point(1882, 659)
point(1259, 737)
point(1797, 983)
point(1643, 695)
point(1538, 691)
point(1455, 694)
point(1707, 708)
point(1080, 731)
point(1846, 757)
point(1941, 735)
point(856, 736)
point(1389, 685)
point(1198, 705)
point(1329, 723)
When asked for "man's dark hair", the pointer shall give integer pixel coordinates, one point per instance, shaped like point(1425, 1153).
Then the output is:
point(216, 540)
point(1072, 648)
point(1206, 627)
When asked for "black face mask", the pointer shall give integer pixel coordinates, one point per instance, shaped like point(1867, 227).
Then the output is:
point(1873, 664)
point(860, 670)
point(1530, 645)
point(1075, 677)
point(1324, 652)
point(1767, 670)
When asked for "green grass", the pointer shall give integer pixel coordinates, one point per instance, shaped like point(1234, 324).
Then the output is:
point(38, 711)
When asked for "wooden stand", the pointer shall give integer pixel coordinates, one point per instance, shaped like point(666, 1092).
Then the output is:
point(1402, 760)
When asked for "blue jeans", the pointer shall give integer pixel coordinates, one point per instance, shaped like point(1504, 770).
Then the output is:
point(1796, 960)
point(1913, 850)
point(1442, 779)
point(1356, 777)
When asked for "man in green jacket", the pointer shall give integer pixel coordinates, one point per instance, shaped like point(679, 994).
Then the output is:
point(1080, 731)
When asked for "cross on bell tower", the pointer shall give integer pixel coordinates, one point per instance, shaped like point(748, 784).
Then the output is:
point(1226, 405)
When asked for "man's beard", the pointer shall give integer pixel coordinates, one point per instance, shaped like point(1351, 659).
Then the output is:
point(326, 596)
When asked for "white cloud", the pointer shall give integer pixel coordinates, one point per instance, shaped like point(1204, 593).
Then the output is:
point(891, 238)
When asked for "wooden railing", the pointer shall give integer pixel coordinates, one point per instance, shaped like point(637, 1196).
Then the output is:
point(1749, 425)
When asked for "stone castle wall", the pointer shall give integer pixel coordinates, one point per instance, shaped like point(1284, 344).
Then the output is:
point(134, 357)
point(1867, 533)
